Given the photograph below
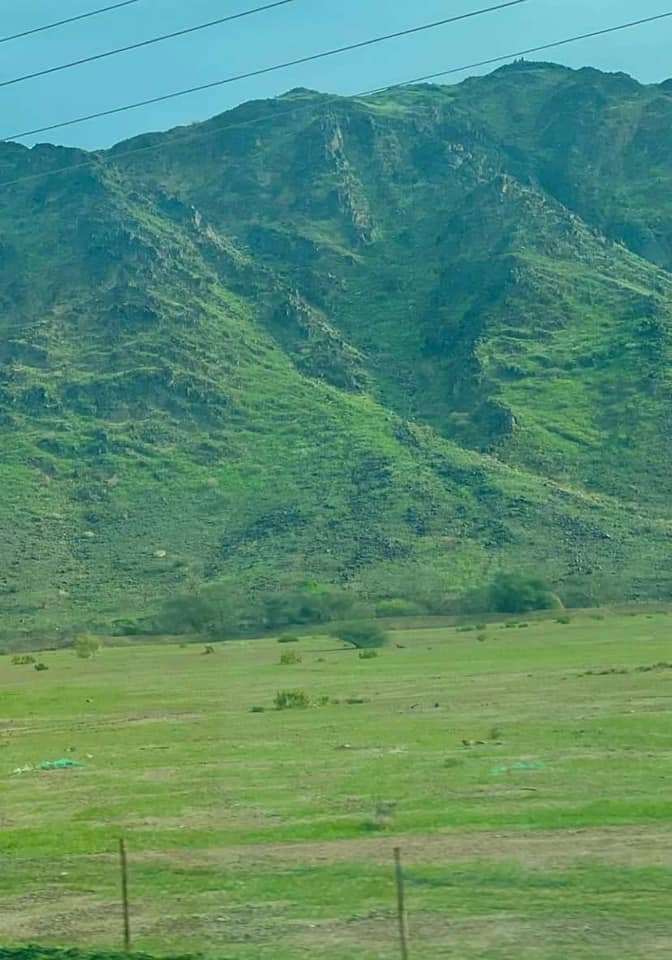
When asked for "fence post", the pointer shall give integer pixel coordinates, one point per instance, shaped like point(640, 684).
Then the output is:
point(123, 859)
point(401, 904)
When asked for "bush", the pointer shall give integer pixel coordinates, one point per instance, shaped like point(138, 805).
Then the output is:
point(22, 659)
point(40, 667)
point(218, 611)
point(482, 637)
point(362, 635)
point(368, 654)
point(512, 593)
point(517, 593)
point(311, 603)
point(382, 817)
point(86, 647)
point(397, 607)
point(258, 710)
point(289, 658)
point(564, 620)
point(291, 700)
point(288, 638)
point(208, 650)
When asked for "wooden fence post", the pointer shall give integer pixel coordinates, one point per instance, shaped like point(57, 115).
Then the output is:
point(123, 859)
point(401, 904)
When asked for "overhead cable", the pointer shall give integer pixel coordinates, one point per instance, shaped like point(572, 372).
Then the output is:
point(145, 43)
point(217, 130)
point(263, 70)
point(61, 23)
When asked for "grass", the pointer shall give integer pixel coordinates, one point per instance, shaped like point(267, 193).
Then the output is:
point(269, 834)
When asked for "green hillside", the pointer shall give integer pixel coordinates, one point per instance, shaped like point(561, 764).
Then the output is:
point(388, 342)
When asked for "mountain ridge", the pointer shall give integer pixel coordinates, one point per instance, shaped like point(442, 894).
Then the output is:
point(384, 342)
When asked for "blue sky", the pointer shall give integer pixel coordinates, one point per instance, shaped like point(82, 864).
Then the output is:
point(298, 29)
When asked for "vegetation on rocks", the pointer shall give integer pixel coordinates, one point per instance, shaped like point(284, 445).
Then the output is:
point(369, 350)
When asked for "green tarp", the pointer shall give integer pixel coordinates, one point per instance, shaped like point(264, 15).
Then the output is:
point(60, 764)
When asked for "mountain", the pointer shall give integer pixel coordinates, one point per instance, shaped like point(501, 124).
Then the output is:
point(397, 343)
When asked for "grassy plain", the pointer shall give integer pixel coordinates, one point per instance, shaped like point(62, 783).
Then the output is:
point(270, 834)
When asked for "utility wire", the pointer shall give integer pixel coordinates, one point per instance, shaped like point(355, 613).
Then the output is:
point(326, 101)
point(61, 23)
point(145, 43)
point(544, 46)
point(265, 70)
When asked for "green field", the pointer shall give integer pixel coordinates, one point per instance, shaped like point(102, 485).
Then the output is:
point(270, 834)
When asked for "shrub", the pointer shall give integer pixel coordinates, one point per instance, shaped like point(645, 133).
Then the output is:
point(217, 610)
point(564, 620)
point(465, 628)
point(512, 593)
point(40, 667)
point(397, 607)
point(368, 654)
point(208, 650)
point(382, 817)
point(362, 635)
point(482, 637)
point(86, 647)
point(289, 658)
point(288, 638)
point(291, 700)
point(258, 710)
point(311, 603)
point(323, 701)
point(22, 659)
point(517, 593)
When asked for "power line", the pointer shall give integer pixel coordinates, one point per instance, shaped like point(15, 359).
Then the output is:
point(265, 70)
point(61, 23)
point(544, 46)
point(326, 101)
point(145, 43)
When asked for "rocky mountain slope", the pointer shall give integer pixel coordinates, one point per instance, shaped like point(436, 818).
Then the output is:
point(397, 343)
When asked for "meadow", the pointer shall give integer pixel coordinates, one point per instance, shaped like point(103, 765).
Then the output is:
point(523, 769)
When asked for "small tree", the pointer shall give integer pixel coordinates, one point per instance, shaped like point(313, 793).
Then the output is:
point(217, 611)
point(86, 647)
point(517, 593)
point(311, 603)
point(364, 636)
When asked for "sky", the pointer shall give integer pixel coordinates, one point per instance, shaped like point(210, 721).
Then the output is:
point(300, 28)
